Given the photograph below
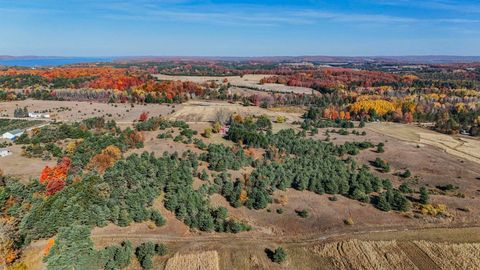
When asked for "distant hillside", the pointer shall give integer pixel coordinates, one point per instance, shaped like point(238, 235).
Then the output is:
point(420, 59)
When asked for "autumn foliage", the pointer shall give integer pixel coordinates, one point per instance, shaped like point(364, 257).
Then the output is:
point(143, 117)
point(48, 246)
point(381, 107)
point(58, 172)
point(136, 82)
point(105, 159)
point(336, 78)
point(54, 178)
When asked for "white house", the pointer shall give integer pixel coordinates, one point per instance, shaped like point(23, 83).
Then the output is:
point(38, 115)
point(4, 152)
point(12, 134)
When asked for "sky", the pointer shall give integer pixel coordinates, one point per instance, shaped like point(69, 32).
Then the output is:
point(239, 28)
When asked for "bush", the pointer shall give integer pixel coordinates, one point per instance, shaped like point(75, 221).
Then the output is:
point(405, 174)
point(280, 119)
point(144, 254)
point(156, 217)
point(207, 133)
point(161, 249)
point(380, 148)
point(302, 213)
point(278, 255)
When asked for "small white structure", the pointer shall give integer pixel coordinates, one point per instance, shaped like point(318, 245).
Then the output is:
point(224, 130)
point(12, 134)
point(38, 115)
point(4, 152)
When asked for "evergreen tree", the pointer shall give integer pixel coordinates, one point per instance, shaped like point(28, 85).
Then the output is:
point(424, 197)
point(382, 203)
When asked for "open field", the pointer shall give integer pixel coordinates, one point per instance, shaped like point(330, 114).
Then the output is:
point(69, 111)
point(23, 167)
point(460, 146)
point(202, 111)
point(246, 81)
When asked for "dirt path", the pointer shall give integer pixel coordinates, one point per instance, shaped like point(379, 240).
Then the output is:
point(430, 234)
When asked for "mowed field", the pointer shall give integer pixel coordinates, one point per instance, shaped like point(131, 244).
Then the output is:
point(246, 81)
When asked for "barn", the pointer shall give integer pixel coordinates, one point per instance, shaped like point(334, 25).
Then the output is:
point(12, 134)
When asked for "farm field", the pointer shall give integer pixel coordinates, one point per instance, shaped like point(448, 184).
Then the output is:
point(249, 81)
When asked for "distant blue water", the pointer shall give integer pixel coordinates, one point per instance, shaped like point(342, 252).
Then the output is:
point(46, 62)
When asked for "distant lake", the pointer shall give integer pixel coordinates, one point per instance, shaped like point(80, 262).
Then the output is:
point(46, 62)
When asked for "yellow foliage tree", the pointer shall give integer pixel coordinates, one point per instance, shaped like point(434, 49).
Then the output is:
point(381, 107)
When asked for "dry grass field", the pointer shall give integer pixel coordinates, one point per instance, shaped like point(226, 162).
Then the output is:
point(74, 111)
point(23, 167)
point(452, 256)
point(460, 146)
point(247, 81)
point(207, 260)
point(202, 111)
point(355, 254)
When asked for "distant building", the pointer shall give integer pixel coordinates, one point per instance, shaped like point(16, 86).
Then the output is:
point(4, 152)
point(12, 134)
point(38, 115)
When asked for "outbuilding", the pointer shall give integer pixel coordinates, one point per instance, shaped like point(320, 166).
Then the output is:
point(12, 134)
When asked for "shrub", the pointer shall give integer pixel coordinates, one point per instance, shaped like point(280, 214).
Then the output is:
point(278, 255)
point(302, 213)
point(380, 148)
point(207, 132)
point(156, 217)
point(280, 119)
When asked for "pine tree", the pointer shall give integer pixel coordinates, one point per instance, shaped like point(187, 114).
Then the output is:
point(382, 203)
point(424, 197)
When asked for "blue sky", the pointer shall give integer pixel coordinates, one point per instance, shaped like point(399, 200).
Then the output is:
point(239, 28)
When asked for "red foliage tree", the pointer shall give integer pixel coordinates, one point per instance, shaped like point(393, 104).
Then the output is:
point(143, 117)
point(54, 186)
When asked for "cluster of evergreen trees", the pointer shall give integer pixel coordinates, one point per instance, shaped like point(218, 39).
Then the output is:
point(19, 112)
point(304, 164)
point(221, 157)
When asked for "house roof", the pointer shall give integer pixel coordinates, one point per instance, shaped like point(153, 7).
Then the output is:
point(15, 131)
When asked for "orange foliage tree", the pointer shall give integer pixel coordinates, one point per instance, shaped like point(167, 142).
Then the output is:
point(54, 178)
point(105, 159)
point(58, 172)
